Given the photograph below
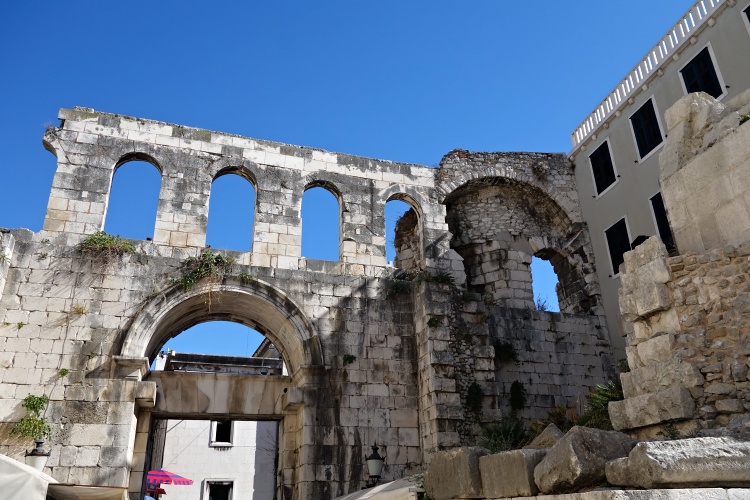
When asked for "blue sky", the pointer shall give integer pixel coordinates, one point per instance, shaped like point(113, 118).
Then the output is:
point(405, 81)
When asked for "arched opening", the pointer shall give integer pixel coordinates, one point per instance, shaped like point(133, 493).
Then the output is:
point(231, 212)
point(222, 400)
point(544, 283)
point(403, 231)
point(241, 452)
point(499, 225)
point(133, 198)
point(321, 223)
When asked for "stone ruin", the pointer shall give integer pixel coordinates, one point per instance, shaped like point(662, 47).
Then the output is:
point(414, 358)
point(687, 394)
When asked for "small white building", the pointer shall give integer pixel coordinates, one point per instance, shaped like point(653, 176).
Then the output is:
point(228, 460)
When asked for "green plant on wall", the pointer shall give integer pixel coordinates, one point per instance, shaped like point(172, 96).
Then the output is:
point(104, 246)
point(348, 359)
point(505, 352)
point(33, 424)
point(206, 264)
point(398, 287)
point(433, 322)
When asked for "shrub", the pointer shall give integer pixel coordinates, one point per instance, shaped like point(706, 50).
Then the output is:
point(33, 424)
point(105, 246)
point(510, 433)
point(206, 264)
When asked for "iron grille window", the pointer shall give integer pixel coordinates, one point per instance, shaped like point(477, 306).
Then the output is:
point(602, 167)
point(699, 75)
point(618, 242)
point(646, 128)
point(662, 223)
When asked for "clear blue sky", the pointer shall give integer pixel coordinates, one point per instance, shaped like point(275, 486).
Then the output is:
point(405, 81)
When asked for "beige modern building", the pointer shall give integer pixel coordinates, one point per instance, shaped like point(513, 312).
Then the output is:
point(616, 148)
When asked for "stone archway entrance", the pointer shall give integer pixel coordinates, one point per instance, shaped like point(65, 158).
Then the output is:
point(216, 396)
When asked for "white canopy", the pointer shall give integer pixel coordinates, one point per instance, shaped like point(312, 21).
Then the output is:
point(19, 481)
point(402, 489)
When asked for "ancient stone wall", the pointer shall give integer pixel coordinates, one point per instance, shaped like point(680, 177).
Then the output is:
point(704, 172)
point(504, 208)
point(408, 242)
point(407, 364)
point(690, 346)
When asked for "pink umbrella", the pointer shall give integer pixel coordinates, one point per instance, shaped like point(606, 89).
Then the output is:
point(162, 476)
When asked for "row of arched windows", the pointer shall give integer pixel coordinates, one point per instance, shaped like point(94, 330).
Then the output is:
point(231, 214)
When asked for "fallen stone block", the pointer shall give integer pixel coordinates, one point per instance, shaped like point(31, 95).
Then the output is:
point(511, 473)
point(547, 439)
point(695, 462)
point(578, 459)
point(455, 474)
point(673, 403)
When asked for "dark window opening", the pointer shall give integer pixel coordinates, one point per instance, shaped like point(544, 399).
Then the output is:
point(223, 431)
point(646, 128)
point(618, 243)
point(662, 223)
point(699, 75)
point(747, 14)
point(219, 491)
point(603, 168)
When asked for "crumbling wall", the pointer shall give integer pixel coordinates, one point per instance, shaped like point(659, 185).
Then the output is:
point(704, 172)
point(411, 366)
point(504, 208)
point(689, 349)
point(408, 242)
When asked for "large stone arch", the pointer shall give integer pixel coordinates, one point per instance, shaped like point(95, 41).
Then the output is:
point(256, 304)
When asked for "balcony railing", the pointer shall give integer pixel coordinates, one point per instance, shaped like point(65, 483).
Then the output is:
point(680, 33)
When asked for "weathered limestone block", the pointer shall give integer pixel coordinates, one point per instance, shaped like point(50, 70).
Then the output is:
point(673, 403)
point(511, 473)
point(547, 439)
point(578, 459)
point(659, 376)
point(455, 474)
point(644, 255)
point(656, 349)
point(697, 462)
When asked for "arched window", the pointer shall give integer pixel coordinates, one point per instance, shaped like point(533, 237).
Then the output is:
point(321, 220)
point(403, 232)
point(133, 200)
point(544, 283)
point(231, 213)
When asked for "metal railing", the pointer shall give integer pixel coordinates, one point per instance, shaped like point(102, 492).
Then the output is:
point(667, 46)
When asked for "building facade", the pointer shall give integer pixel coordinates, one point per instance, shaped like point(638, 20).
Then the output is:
point(616, 149)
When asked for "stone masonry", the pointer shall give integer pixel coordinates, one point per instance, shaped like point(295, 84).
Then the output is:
point(689, 344)
point(413, 362)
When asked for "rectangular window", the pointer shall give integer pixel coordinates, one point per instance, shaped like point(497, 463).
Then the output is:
point(662, 223)
point(602, 168)
point(747, 14)
point(221, 432)
point(746, 17)
point(646, 128)
point(618, 242)
point(699, 75)
point(219, 490)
